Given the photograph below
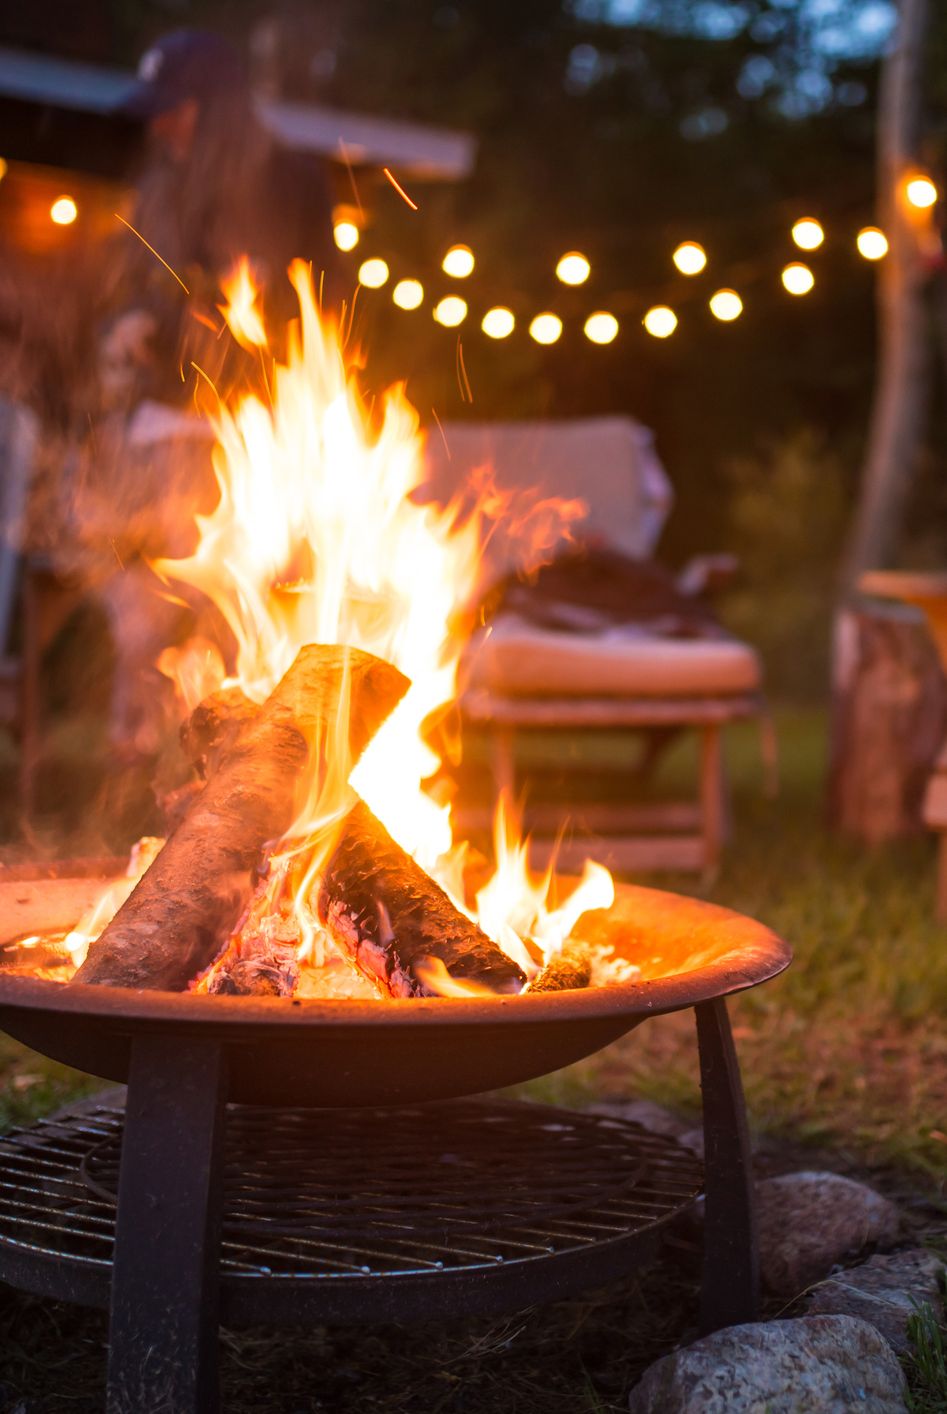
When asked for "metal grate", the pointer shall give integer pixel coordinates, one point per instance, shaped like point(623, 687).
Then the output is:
point(354, 1194)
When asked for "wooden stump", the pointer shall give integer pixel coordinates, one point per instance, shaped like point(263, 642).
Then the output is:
point(889, 718)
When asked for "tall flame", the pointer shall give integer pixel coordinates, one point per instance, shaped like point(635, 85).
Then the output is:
point(316, 538)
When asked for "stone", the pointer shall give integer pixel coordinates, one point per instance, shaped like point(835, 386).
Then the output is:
point(693, 1139)
point(885, 1291)
point(811, 1365)
point(809, 1221)
point(649, 1115)
point(655, 1118)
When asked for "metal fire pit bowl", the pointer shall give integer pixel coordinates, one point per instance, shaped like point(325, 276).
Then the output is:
point(190, 1168)
point(350, 1053)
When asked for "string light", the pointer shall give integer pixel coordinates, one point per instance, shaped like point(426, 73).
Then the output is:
point(458, 262)
point(660, 321)
point(921, 192)
point(872, 243)
point(346, 235)
point(808, 233)
point(601, 327)
point(726, 305)
point(450, 311)
point(546, 328)
point(373, 273)
point(573, 268)
point(63, 211)
point(408, 294)
point(498, 322)
point(798, 278)
point(3, 168)
point(690, 258)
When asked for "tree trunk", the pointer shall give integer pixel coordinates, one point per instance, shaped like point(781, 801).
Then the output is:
point(889, 719)
point(904, 355)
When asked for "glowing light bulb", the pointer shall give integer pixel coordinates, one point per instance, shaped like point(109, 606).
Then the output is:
point(690, 258)
point(373, 273)
point(798, 278)
point(408, 294)
point(545, 328)
point(3, 168)
point(808, 233)
point(346, 235)
point(63, 211)
point(458, 262)
point(498, 322)
point(726, 305)
point(872, 243)
point(660, 321)
point(573, 268)
point(601, 327)
point(450, 311)
point(921, 192)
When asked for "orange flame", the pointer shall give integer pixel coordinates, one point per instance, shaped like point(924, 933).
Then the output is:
point(242, 312)
point(316, 538)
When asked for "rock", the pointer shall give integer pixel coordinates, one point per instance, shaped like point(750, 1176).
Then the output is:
point(655, 1118)
point(812, 1365)
point(809, 1221)
point(885, 1291)
point(644, 1112)
point(693, 1139)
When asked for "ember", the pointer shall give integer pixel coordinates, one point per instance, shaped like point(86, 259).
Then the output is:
point(277, 878)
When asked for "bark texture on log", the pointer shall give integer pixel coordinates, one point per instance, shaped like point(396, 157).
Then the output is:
point(889, 719)
point(186, 905)
point(390, 917)
point(213, 727)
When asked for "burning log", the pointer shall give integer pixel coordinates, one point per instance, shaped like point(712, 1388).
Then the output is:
point(192, 897)
point(390, 918)
point(568, 971)
point(213, 728)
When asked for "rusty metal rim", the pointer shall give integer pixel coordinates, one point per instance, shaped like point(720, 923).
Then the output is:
point(747, 954)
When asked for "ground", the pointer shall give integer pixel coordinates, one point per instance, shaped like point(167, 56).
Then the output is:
point(845, 1065)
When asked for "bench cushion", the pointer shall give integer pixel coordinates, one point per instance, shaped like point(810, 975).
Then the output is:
point(516, 659)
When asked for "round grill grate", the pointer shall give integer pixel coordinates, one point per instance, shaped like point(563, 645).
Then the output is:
point(361, 1194)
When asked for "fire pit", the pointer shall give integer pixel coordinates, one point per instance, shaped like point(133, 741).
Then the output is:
point(298, 1212)
point(292, 979)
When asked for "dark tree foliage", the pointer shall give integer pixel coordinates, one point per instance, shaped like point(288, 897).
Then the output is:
point(618, 127)
point(620, 140)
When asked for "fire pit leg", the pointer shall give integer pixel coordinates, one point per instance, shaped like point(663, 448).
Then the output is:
point(163, 1328)
point(730, 1289)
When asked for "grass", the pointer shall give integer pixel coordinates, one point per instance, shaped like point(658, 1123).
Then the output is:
point(848, 1048)
point(844, 1063)
point(926, 1365)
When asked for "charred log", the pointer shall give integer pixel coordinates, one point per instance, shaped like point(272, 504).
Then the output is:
point(262, 965)
point(391, 919)
point(190, 900)
point(568, 971)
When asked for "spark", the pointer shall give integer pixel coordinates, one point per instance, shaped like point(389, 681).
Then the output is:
point(208, 323)
point(399, 188)
point(346, 159)
point(466, 395)
point(150, 247)
point(346, 332)
point(440, 429)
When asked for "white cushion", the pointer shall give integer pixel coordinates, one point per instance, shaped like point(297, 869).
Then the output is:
point(607, 463)
point(514, 658)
